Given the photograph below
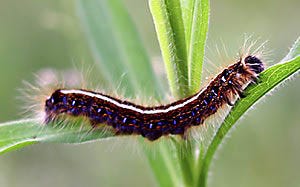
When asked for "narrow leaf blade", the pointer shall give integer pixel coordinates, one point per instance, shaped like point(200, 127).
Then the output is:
point(18, 134)
point(167, 17)
point(198, 35)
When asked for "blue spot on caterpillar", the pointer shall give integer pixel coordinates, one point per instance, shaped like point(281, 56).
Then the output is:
point(127, 118)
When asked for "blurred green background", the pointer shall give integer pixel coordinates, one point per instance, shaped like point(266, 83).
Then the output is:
point(263, 151)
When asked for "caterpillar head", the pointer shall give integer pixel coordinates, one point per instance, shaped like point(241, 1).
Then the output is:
point(254, 63)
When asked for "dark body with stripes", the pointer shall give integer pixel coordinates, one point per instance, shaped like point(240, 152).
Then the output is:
point(127, 118)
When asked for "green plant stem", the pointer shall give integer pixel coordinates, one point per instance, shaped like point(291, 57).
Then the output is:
point(164, 166)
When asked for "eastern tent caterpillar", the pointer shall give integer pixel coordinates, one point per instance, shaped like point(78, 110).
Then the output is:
point(127, 118)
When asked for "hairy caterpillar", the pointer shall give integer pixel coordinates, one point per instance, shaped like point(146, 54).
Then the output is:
point(127, 118)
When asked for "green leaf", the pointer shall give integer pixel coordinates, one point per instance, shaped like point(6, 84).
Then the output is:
point(187, 7)
point(117, 48)
point(18, 134)
point(269, 79)
point(196, 44)
point(170, 32)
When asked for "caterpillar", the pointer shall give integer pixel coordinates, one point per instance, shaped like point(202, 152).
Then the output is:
point(127, 118)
